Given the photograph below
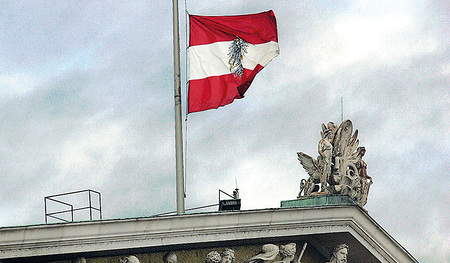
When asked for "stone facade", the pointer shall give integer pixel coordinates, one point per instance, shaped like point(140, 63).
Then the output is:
point(197, 256)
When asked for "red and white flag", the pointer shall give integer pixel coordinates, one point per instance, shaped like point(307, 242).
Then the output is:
point(225, 54)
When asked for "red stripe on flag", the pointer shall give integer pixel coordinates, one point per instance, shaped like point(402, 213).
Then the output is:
point(254, 28)
point(213, 92)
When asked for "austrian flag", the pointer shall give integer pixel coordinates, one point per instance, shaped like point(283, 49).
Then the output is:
point(225, 54)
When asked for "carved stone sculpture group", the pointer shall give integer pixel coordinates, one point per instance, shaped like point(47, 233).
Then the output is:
point(227, 256)
point(268, 253)
point(339, 168)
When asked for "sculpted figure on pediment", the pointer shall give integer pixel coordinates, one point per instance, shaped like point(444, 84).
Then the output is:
point(170, 258)
point(129, 259)
point(339, 168)
point(268, 253)
point(227, 256)
point(213, 257)
point(340, 254)
point(287, 253)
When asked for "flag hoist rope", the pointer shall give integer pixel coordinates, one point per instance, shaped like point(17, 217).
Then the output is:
point(178, 119)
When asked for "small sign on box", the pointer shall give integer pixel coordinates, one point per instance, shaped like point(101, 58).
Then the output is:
point(230, 204)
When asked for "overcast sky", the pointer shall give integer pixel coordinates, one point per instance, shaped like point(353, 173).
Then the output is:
point(86, 102)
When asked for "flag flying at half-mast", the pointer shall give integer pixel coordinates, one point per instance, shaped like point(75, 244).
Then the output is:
point(225, 54)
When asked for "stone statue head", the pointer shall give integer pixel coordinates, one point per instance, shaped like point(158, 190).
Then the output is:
point(130, 259)
point(340, 253)
point(362, 151)
point(288, 250)
point(170, 258)
point(328, 130)
point(213, 257)
point(227, 256)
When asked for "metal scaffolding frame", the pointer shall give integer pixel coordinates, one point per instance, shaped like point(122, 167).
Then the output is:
point(71, 208)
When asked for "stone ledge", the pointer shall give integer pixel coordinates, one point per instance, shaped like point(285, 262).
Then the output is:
point(200, 230)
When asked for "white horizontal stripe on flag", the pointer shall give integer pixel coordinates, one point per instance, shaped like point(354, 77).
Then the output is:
point(212, 59)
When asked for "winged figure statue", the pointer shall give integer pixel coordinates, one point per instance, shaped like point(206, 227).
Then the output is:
point(339, 168)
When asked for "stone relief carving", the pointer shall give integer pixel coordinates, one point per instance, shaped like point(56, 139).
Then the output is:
point(227, 256)
point(129, 259)
point(268, 253)
point(213, 257)
point(340, 253)
point(339, 168)
point(287, 253)
point(170, 258)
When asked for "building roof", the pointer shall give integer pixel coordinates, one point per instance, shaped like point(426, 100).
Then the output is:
point(321, 226)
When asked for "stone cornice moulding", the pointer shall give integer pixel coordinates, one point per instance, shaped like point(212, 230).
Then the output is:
point(122, 234)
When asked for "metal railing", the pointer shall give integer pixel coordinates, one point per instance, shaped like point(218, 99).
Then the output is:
point(70, 207)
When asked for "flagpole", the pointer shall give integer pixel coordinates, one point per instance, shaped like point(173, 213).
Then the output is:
point(178, 119)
